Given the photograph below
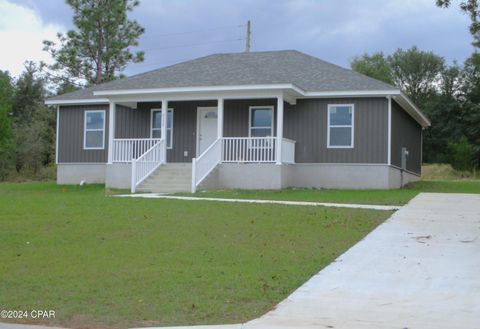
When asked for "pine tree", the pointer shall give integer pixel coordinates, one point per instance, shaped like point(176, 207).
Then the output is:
point(98, 50)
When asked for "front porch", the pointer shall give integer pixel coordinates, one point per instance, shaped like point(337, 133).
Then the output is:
point(143, 136)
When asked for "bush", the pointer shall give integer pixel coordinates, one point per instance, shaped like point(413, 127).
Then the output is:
point(461, 155)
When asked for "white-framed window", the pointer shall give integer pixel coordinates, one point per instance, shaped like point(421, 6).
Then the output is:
point(260, 120)
point(340, 126)
point(156, 126)
point(94, 130)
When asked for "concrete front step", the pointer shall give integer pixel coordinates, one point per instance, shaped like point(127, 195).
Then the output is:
point(169, 178)
point(178, 178)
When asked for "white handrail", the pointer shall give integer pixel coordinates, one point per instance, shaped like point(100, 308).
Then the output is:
point(127, 149)
point(205, 163)
point(147, 163)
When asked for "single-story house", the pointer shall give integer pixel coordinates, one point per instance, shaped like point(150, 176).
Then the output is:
point(259, 120)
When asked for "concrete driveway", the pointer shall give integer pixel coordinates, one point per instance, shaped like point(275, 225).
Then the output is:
point(420, 269)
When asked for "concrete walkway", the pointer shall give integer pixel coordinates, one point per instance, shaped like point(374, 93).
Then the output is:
point(420, 269)
point(290, 203)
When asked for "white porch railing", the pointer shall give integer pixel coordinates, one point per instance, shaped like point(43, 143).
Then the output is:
point(127, 149)
point(248, 149)
point(205, 163)
point(288, 151)
point(239, 149)
point(147, 163)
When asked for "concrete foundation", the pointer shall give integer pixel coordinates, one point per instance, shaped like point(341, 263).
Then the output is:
point(329, 176)
point(91, 173)
point(253, 176)
point(256, 176)
point(118, 175)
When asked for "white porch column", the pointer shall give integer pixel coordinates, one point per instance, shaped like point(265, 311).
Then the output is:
point(220, 118)
point(111, 130)
point(163, 132)
point(278, 150)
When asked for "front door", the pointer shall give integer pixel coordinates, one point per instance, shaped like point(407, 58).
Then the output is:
point(206, 128)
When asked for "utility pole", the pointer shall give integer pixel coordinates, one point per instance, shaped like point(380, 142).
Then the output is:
point(249, 34)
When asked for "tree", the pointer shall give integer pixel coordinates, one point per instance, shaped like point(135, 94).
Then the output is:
point(34, 123)
point(470, 7)
point(29, 94)
point(451, 80)
point(375, 66)
point(99, 49)
point(471, 103)
point(461, 155)
point(416, 72)
point(7, 147)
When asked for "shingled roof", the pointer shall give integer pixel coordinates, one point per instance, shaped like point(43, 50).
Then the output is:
point(240, 69)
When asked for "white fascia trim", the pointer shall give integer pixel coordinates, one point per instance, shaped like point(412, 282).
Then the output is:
point(426, 121)
point(197, 89)
point(350, 93)
point(77, 101)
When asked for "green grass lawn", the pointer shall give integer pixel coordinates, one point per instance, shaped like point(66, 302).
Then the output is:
point(379, 197)
point(116, 262)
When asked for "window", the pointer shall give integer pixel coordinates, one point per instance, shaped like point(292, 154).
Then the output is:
point(94, 136)
point(156, 131)
point(261, 121)
point(340, 126)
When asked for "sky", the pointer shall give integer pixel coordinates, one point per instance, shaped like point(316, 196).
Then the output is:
point(179, 30)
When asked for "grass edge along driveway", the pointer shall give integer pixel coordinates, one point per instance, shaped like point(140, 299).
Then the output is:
point(394, 197)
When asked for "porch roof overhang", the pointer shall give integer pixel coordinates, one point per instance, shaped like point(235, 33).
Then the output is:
point(289, 92)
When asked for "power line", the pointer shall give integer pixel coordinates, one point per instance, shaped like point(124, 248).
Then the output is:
point(197, 31)
point(195, 44)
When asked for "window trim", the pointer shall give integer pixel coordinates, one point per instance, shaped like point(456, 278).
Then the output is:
point(250, 108)
point(171, 129)
point(329, 126)
point(85, 130)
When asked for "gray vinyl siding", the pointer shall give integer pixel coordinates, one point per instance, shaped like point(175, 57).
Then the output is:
point(406, 132)
point(71, 134)
point(236, 113)
point(132, 123)
point(306, 123)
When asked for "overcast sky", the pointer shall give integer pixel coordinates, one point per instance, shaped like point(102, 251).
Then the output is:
point(178, 30)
